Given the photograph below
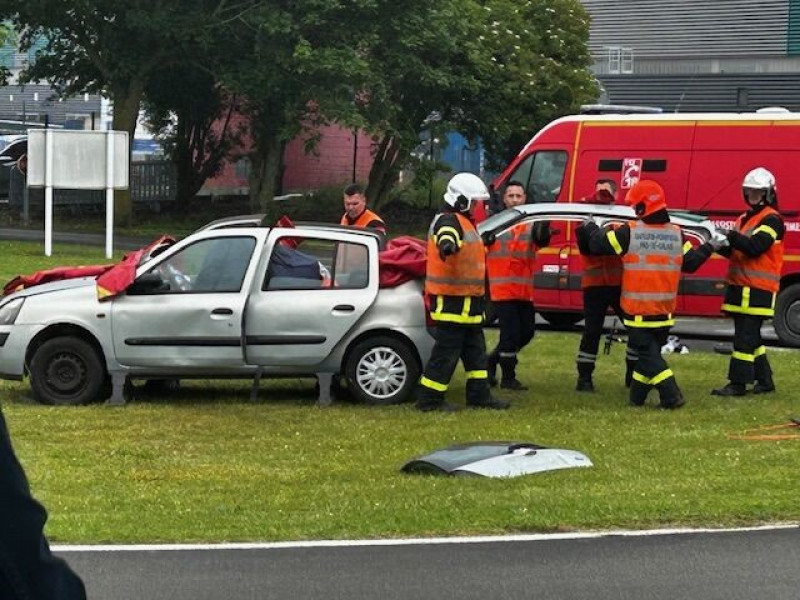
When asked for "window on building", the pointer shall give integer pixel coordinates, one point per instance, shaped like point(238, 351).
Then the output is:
point(620, 60)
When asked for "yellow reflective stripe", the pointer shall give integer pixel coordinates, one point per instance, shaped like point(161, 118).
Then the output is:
point(439, 304)
point(743, 356)
point(478, 374)
point(450, 232)
point(450, 318)
point(641, 378)
point(760, 351)
point(767, 229)
point(761, 312)
point(434, 385)
point(666, 374)
point(686, 247)
point(446, 236)
point(638, 321)
point(611, 236)
point(467, 305)
point(745, 297)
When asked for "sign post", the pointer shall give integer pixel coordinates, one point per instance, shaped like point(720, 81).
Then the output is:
point(81, 160)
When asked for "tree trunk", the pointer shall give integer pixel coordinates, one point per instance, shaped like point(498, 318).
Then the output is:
point(266, 174)
point(126, 113)
point(385, 170)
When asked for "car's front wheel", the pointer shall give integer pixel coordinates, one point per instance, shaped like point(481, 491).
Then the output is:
point(66, 370)
point(381, 370)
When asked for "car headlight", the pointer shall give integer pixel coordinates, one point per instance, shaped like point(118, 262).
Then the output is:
point(10, 310)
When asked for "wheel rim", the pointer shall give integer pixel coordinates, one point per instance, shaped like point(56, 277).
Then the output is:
point(66, 374)
point(793, 317)
point(381, 372)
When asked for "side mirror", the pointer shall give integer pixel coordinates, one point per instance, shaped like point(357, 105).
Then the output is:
point(149, 283)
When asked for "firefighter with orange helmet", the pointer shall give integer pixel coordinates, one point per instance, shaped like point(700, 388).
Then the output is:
point(754, 274)
point(653, 255)
point(510, 264)
point(455, 285)
point(601, 282)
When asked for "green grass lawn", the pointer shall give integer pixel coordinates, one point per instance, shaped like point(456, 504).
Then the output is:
point(207, 465)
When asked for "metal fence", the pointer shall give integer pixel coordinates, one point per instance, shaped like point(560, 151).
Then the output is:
point(152, 183)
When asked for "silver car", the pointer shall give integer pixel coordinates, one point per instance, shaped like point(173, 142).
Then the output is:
point(230, 300)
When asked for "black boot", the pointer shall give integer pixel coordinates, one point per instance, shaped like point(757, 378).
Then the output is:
point(670, 394)
point(491, 403)
point(764, 385)
point(638, 393)
point(585, 371)
point(491, 367)
point(508, 365)
point(730, 389)
point(428, 401)
point(629, 366)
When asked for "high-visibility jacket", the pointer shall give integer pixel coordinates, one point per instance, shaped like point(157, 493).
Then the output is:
point(510, 264)
point(363, 220)
point(764, 271)
point(601, 270)
point(651, 271)
point(461, 274)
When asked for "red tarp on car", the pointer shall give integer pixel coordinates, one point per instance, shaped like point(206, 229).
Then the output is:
point(111, 279)
point(401, 261)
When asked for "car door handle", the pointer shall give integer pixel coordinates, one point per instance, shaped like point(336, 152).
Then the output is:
point(344, 307)
point(227, 312)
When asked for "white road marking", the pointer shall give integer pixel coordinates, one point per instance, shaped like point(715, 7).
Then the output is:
point(535, 537)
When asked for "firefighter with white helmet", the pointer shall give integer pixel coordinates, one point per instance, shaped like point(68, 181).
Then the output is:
point(753, 280)
point(455, 286)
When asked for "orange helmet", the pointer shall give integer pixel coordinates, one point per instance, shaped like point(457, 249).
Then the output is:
point(646, 197)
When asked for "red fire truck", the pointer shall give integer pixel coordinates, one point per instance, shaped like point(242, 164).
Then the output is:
point(699, 159)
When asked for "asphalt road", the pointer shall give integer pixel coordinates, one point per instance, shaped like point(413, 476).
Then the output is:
point(739, 565)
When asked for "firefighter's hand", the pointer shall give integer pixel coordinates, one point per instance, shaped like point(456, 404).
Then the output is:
point(488, 238)
point(590, 221)
point(446, 248)
point(718, 241)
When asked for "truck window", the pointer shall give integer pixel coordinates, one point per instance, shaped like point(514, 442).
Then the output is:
point(208, 266)
point(307, 263)
point(542, 173)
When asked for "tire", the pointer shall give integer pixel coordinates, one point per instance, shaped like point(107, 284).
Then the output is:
point(368, 367)
point(562, 320)
point(67, 371)
point(787, 315)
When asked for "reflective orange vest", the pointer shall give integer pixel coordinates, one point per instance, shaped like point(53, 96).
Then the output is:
point(463, 273)
point(510, 264)
point(651, 269)
point(363, 220)
point(762, 272)
point(601, 270)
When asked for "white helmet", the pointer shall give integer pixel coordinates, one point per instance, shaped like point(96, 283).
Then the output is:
point(760, 179)
point(462, 191)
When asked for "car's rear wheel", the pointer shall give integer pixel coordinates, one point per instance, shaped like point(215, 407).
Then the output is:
point(787, 315)
point(66, 370)
point(381, 370)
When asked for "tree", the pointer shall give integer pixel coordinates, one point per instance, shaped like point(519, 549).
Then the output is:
point(113, 47)
point(193, 117)
point(498, 69)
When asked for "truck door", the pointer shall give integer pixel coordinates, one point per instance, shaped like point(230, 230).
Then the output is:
point(193, 319)
point(313, 289)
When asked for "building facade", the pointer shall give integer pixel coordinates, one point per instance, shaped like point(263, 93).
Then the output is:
point(697, 56)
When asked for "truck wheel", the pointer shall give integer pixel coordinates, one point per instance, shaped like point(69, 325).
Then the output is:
point(381, 370)
point(787, 315)
point(67, 371)
point(562, 320)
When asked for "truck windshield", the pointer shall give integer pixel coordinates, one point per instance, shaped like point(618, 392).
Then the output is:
point(542, 174)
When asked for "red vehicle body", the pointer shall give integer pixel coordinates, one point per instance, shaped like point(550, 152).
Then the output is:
point(699, 159)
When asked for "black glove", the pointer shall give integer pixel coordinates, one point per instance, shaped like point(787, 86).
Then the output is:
point(446, 248)
point(488, 238)
point(542, 233)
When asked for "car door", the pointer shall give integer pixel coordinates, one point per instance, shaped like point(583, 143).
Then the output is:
point(194, 319)
point(315, 287)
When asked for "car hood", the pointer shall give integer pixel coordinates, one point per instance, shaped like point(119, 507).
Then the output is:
point(53, 286)
point(558, 211)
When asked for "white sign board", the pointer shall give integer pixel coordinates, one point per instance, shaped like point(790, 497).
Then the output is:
point(79, 159)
